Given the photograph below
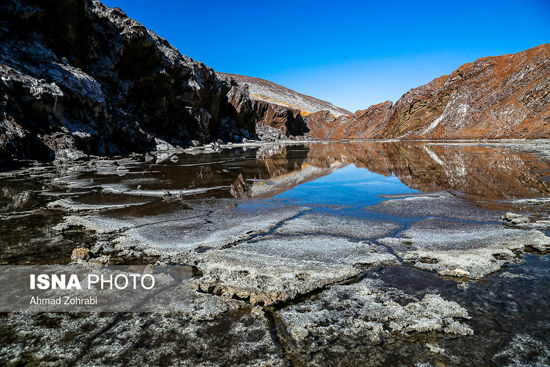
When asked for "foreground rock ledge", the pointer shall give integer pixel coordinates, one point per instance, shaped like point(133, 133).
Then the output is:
point(366, 314)
point(464, 249)
point(276, 270)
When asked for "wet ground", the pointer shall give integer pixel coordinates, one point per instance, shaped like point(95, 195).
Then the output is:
point(325, 254)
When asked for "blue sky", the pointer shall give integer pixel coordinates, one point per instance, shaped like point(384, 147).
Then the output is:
point(351, 53)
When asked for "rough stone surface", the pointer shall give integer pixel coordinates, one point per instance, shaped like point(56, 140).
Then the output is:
point(368, 312)
point(363, 124)
point(208, 331)
point(323, 223)
point(523, 350)
point(464, 249)
point(221, 228)
point(278, 269)
point(493, 97)
point(79, 78)
point(514, 220)
point(80, 254)
point(435, 205)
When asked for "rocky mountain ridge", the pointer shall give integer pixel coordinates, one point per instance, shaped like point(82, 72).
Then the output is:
point(264, 90)
point(492, 98)
point(80, 79)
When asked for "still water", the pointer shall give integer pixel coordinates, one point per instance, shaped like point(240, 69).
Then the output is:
point(341, 177)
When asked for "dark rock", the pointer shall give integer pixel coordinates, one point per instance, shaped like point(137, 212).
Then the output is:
point(80, 78)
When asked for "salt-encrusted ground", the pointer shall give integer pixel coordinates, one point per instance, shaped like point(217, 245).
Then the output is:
point(415, 279)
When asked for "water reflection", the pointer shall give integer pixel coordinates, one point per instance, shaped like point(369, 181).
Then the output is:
point(481, 173)
point(351, 175)
point(349, 187)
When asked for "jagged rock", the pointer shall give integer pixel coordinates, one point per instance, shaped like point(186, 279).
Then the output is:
point(514, 220)
point(493, 97)
point(80, 254)
point(206, 329)
point(364, 315)
point(362, 124)
point(264, 90)
point(268, 133)
point(79, 78)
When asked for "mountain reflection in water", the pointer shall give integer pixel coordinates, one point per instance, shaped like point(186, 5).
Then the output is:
point(480, 173)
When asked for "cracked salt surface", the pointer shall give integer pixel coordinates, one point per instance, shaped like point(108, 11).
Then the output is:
point(342, 264)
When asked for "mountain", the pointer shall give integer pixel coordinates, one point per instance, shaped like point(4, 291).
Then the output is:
point(492, 98)
point(78, 78)
point(264, 90)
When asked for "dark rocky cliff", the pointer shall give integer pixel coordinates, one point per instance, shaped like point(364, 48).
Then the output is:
point(80, 78)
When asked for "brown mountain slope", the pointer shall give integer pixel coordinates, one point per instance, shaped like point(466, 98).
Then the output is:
point(494, 97)
point(264, 90)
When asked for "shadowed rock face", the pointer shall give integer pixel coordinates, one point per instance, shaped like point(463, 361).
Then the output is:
point(81, 78)
point(494, 97)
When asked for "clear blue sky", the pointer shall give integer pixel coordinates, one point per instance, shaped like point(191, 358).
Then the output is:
point(351, 53)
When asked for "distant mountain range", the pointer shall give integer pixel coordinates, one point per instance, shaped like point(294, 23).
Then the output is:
point(80, 79)
point(492, 98)
point(264, 90)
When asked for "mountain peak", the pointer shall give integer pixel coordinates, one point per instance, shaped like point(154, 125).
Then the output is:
point(264, 90)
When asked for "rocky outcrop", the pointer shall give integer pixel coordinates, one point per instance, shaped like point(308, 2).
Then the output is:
point(494, 97)
point(288, 120)
point(80, 78)
point(363, 124)
point(264, 90)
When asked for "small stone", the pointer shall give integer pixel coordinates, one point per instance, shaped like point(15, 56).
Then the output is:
point(81, 254)
point(513, 219)
point(460, 273)
point(435, 349)
point(195, 143)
